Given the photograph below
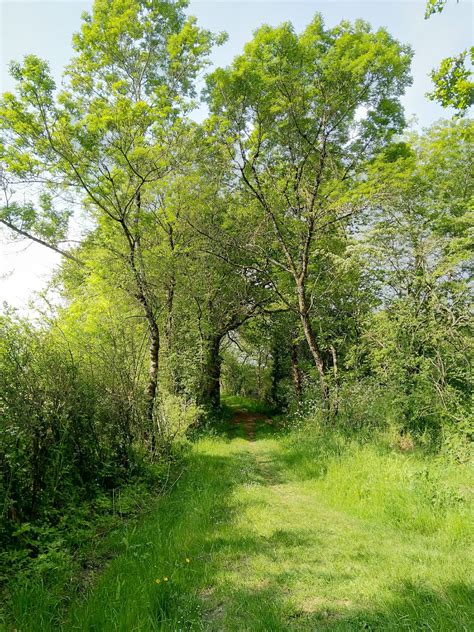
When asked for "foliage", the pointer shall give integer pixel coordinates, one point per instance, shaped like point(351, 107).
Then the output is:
point(288, 531)
point(453, 85)
point(434, 6)
point(286, 110)
point(452, 80)
point(64, 438)
point(296, 249)
point(419, 249)
point(73, 550)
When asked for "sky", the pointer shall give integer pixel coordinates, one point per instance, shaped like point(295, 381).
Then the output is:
point(45, 28)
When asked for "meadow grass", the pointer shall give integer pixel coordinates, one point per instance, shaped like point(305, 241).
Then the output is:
point(306, 530)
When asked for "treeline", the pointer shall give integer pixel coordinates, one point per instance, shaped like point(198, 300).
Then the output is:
point(296, 246)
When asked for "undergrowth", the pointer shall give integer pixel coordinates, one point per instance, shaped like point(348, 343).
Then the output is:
point(383, 477)
point(304, 528)
point(52, 561)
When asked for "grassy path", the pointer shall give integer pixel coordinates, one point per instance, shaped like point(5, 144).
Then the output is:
point(247, 541)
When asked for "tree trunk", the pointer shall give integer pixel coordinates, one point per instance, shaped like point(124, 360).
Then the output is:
point(136, 265)
point(335, 403)
point(210, 391)
point(170, 288)
point(311, 340)
point(296, 374)
point(276, 373)
point(169, 314)
point(153, 354)
point(172, 369)
point(152, 385)
point(259, 376)
point(153, 330)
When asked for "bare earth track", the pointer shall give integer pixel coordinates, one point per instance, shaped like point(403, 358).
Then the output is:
point(248, 421)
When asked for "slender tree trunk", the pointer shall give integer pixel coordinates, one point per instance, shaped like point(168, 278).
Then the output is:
point(171, 372)
point(335, 403)
point(210, 391)
point(152, 386)
point(153, 354)
point(169, 314)
point(296, 374)
point(276, 373)
point(259, 376)
point(170, 288)
point(311, 340)
point(142, 296)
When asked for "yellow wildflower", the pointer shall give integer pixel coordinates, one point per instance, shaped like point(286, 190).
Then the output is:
point(157, 581)
point(165, 579)
point(187, 560)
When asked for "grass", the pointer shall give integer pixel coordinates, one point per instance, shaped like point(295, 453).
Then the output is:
point(302, 531)
point(233, 402)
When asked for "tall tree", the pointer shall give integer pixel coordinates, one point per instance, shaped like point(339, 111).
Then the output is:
point(115, 129)
point(300, 115)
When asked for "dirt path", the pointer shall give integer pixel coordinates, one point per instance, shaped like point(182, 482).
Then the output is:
point(248, 421)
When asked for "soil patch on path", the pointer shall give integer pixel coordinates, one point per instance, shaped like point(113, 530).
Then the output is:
point(248, 422)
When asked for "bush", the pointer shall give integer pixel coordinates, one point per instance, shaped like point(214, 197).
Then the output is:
point(175, 415)
point(61, 440)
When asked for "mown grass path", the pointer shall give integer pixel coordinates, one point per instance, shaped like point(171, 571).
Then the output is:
point(247, 542)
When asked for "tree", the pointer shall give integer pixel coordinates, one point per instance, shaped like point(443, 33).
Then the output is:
point(300, 115)
point(453, 85)
point(221, 285)
point(420, 258)
point(114, 131)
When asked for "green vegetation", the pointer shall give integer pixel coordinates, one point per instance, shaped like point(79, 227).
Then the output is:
point(291, 531)
point(299, 252)
point(453, 85)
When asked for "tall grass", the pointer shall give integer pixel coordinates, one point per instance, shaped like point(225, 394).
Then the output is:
point(308, 529)
point(380, 478)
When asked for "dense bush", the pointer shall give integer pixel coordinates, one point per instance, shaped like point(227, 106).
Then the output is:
point(62, 438)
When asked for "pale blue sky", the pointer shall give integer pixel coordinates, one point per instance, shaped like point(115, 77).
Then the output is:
point(45, 28)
